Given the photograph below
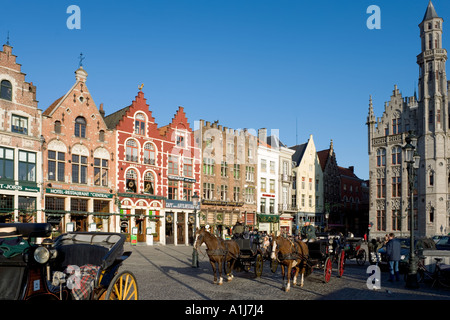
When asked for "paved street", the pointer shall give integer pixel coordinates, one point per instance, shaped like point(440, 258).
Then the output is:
point(165, 273)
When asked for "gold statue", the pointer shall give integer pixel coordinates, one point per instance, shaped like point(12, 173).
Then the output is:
point(140, 87)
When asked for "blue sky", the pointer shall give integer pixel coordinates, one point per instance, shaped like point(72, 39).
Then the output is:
point(300, 67)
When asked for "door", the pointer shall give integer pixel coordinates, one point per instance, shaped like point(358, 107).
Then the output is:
point(169, 228)
point(141, 225)
point(181, 228)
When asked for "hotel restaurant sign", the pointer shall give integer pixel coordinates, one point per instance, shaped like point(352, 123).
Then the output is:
point(79, 193)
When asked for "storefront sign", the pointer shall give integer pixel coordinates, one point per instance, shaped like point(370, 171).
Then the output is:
point(18, 187)
point(79, 193)
point(179, 204)
point(223, 203)
point(181, 179)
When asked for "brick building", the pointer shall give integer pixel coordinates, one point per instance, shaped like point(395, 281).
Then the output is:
point(78, 163)
point(20, 144)
point(229, 176)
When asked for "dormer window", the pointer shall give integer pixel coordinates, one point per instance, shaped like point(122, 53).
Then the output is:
point(139, 124)
point(6, 90)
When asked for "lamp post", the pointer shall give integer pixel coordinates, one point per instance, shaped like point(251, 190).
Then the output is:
point(195, 202)
point(412, 160)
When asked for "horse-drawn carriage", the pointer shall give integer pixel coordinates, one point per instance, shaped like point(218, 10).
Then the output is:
point(353, 250)
point(76, 266)
point(324, 252)
point(250, 255)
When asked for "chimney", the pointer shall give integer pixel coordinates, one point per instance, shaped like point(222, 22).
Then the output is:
point(262, 134)
point(102, 112)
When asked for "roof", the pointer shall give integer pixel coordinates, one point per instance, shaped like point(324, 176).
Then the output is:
point(113, 119)
point(299, 151)
point(50, 109)
point(323, 157)
point(430, 13)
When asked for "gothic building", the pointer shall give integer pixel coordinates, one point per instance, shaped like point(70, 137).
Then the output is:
point(427, 116)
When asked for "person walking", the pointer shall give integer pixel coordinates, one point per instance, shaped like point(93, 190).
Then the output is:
point(393, 254)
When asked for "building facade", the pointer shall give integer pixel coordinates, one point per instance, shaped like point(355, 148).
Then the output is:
point(229, 177)
point(308, 185)
point(20, 144)
point(427, 115)
point(78, 163)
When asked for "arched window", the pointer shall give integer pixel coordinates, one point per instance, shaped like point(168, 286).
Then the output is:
point(139, 124)
point(80, 127)
point(381, 157)
point(101, 135)
point(6, 90)
point(149, 183)
point(149, 153)
point(132, 151)
point(131, 181)
point(57, 126)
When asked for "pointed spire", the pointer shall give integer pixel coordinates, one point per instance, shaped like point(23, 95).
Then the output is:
point(430, 13)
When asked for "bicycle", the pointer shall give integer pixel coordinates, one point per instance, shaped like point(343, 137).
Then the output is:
point(439, 276)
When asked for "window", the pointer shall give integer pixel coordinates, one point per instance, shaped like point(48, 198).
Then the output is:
point(180, 140)
point(187, 191)
point(139, 124)
point(6, 90)
point(272, 206)
point(187, 168)
point(54, 204)
point(396, 220)
point(396, 155)
point(57, 127)
point(263, 205)
point(396, 126)
point(173, 190)
point(6, 163)
point(56, 165)
point(19, 124)
point(272, 185)
point(224, 169)
point(149, 153)
point(208, 191)
point(249, 195)
point(249, 173)
point(272, 166)
point(27, 166)
point(131, 151)
point(79, 169)
point(173, 165)
point(223, 192)
point(101, 136)
point(80, 127)
point(131, 181)
point(381, 188)
point(77, 204)
point(381, 157)
point(236, 191)
point(263, 185)
point(149, 183)
point(396, 187)
point(263, 165)
point(237, 171)
point(100, 172)
point(208, 166)
point(381, 220)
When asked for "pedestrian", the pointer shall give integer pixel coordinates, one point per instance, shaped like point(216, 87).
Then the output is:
point(393, 254)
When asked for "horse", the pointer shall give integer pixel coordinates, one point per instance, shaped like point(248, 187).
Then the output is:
point(220, 252)
point(290, 254)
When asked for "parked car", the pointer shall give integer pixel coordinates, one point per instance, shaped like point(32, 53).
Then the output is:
point(443, 243)
point(420, 245)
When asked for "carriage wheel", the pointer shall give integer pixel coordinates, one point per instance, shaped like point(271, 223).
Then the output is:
point(273, 265)
point(259, 265)
point(361, 257)
point(341, 263)
point(328, 268)
point(123, 287)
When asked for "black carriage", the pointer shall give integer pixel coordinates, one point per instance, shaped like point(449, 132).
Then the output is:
point(353, 250)
point(325, 251)
point(250, 255)
point(74, 266)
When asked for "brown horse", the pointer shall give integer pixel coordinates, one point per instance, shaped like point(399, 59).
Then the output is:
point(220, 252)
point(290, 254)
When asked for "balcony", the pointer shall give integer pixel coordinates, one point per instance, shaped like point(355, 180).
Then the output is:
point(286, 207)
point(286, 178)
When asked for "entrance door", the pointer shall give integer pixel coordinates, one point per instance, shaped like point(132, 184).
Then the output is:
point(80, 222)
point(141, 225)
point(169, 228)
point(181, 228)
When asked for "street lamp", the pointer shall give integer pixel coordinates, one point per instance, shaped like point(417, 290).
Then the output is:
point(412, 160)
point(195, 202)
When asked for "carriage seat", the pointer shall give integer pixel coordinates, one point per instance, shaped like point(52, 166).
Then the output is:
point(80, 254)
point(7, 232)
